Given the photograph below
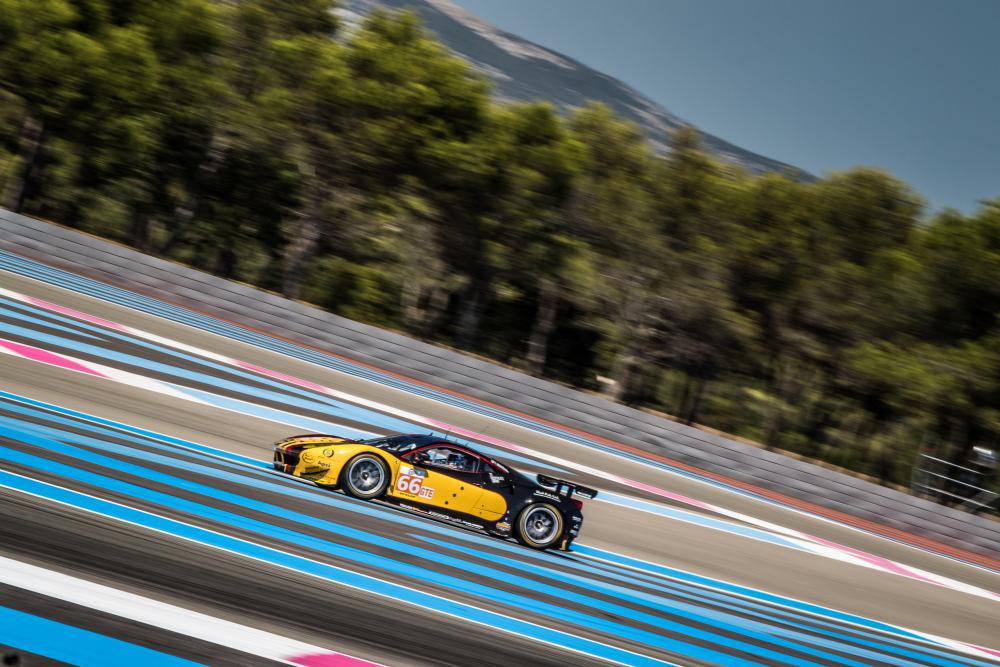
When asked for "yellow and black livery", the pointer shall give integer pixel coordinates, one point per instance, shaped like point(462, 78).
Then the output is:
point(443, 479)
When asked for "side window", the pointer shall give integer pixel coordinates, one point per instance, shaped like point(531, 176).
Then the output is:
point(447, 459)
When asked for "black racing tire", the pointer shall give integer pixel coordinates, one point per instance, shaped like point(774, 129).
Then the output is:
point(539, 526)
point(366, 476)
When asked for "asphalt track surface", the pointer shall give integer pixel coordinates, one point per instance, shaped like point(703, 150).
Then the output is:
point(140, 462)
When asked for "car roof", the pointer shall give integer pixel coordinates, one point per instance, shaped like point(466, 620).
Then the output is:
point(412, 440)
point(416, 440)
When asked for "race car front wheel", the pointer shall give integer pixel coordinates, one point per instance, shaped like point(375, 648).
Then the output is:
point(539, 526)
point(365, 476)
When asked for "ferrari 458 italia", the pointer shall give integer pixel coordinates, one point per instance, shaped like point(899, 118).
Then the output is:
point(435, 477)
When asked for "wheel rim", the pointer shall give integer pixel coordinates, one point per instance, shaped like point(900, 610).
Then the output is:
point(366, 475)
point(541, 524)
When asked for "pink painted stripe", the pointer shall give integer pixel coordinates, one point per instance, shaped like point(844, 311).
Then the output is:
point(281, 376)
point(663, 493)
point(330, 660)
point(46, 357)
point(451, 428)
point(70, 312)
point(988, 651)
point(482, 437)
point(877, 561)
point(58, 360)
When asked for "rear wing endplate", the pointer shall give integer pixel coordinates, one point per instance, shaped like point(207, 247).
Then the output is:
point(566, 489)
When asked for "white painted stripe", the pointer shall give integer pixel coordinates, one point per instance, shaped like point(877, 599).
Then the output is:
point(970, 649)
point(962, 647)
point(772, 598)
point(421, 609)
point(77, 365)
point(137, 381)
point(646, 464)
point(153, 612)
point(805, 541)
point(131, 379)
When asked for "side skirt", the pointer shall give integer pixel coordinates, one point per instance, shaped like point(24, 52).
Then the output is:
point(437, 514)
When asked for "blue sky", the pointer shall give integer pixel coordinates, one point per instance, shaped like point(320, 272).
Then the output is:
point(912, 86)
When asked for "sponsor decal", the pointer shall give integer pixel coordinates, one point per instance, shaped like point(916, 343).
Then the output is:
point(504, 526)
point(306, 441)
point(414, 486)
point(496, 479)
point(328, 451)
point(307, 457)
point(550, 496)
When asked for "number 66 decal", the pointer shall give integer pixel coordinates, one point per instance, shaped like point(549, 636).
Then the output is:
point(413, 486)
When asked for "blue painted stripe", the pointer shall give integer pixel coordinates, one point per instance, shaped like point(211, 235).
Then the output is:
point(723, 621)
point(42, 272)
point(105, 354)
point(16, 314)
point(810, 616)
point(882, 651)
point(273, 414)
point(700, 519)
point(786, 613)
point(391, 564)
point(743, 606)
point(76, 646)
point(620, 560)
point(333, 573)
point(100, 333)
point(654, 602)
point(307, 399)
point(115, 426)
point(83, 285)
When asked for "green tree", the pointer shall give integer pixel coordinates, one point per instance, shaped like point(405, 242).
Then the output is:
point(371, 174)
point(689, 191)
point(42, 61)
point(614, 206)
point(397, 95)
point(864, 212)
point(962, 259)
point(536, 253)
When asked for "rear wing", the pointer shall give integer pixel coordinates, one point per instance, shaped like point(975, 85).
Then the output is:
point(566, 489)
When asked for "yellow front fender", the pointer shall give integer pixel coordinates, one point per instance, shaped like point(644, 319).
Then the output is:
point(320, 459)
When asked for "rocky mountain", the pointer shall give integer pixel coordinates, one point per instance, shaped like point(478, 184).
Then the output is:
point(523, 70)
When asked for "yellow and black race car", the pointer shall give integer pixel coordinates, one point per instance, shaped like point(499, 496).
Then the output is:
point(442, 479)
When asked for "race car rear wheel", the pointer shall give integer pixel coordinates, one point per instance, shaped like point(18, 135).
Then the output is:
point(365, 476)
point(539, 526)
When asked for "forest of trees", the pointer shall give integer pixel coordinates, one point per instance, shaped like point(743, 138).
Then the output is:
point(369, 171)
